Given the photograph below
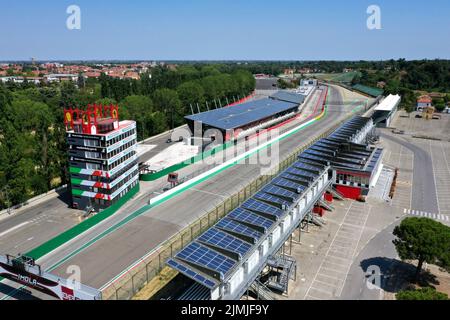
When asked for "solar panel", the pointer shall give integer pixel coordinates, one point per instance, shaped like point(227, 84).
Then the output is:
point(207, 258)
point(314, 163)
point(288, 184)
point(294, 177)
point(222, 240)
point(311, 157)
point(278, 191)
point(327, 151)
point(288, 96)
point(326, 146)
point(243, 114)
point(271, 199)
point(301, 173)
point(191, 274)
point(316, 153)
point(245, 216)
point(238, 228)
point(305, 166)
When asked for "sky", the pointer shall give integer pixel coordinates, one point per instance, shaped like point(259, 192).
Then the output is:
point(224, 30)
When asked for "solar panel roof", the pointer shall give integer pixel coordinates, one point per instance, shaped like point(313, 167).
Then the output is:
point(203, 256)
point(289, 176)
point(242, 114)
point(288, 184)
point(281, 192)
point(238, 228)
point(248, 217)
point(187, 271)
point(222, 240)
point(308, 167)
point(262, 207)
point(288, 96)
point(271, 199)
point(301, 173)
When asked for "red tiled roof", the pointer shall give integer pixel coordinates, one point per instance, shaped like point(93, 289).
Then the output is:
point(424, 100)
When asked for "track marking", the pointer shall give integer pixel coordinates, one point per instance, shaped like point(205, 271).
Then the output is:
point(14, 228)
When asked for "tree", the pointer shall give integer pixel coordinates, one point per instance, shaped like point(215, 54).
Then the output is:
point(167, 101)
point(439, 104)
point(106, 101)
point(424, 240)
point(427, 293)
point(138, 108)
point(190, 93)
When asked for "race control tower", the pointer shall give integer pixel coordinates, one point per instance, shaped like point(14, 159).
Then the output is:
point(102, 156)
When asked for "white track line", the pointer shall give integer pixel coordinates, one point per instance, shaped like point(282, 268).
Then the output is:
point(14, 228)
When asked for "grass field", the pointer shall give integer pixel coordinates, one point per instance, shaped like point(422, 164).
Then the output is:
point(337, 77)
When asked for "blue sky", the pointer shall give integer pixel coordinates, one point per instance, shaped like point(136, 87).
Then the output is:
point(224, 29)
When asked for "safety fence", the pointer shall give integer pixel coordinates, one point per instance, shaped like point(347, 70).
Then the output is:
point(127, 284)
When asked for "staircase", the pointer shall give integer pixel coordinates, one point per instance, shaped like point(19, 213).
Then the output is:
point(336, 193)
point(326, 205)
point(261, 291)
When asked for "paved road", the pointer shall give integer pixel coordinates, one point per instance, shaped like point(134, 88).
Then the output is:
point(25, 229)
point(109, 256)
point(380, 251)
point(424, 187)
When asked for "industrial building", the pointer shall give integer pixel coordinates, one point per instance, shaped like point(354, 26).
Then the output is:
point(384, 112)
point(227, 260)
point(102, 156)
point(232, 122)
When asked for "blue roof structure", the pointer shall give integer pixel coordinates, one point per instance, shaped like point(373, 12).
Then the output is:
point(242, 114)
point(288, 97)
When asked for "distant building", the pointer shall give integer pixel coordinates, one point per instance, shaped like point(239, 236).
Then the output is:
point(447, 109)
point(381, 84)
point(289, 72)
point(424, 102)
point(385, 111)
point(102, 156)
point(308, 82)
point(61, 77)
point(12, 79)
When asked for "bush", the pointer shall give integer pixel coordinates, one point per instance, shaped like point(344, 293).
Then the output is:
point(421, 294)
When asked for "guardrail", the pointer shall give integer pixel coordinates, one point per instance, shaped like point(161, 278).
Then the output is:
point(132, 280)
point(49, 194)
